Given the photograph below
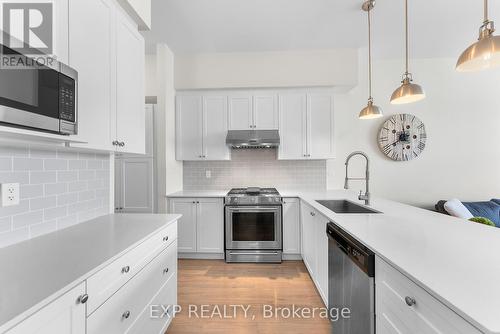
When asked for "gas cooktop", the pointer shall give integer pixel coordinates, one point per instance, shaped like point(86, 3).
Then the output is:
point(253, 196)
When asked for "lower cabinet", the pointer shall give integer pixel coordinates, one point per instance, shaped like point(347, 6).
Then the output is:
point(315, 248)
point(66, 315)
point(201, 228)
point(291, 226)
point(403, 307)
point(120, 312)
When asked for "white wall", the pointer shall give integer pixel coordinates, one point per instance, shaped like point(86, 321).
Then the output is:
point(461, 114)
point(267, 69)
point(151, 76)
point(169, 170)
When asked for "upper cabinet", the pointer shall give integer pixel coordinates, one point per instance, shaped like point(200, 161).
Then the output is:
point(201, 123)
point(130, 91)
point(253, 110)
point(304, 118)
point(306, 125)
point(91, 28)
point(107, 50)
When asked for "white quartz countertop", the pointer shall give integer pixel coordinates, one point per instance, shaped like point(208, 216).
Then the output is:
point(199, 193)
point(35, 271)
point(455, 260)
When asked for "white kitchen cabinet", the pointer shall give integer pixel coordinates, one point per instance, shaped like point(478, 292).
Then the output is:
point(426, 315)
point(291, 226)
point(201, 123)
point(210, 225)
point(130, 91)
point(215, 128)
point(65, 315)
point(293, 129)
point(240, 112)
point(201, 228)
point(320, 126)
point(187, 223)
point(309, 249)
point(265, 111)
point(306, 125)
point(134, 191)
point(92, 54)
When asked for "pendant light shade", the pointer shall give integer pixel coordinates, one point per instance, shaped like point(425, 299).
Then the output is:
point(408, 92)
point(371, 111)
point(485, 53)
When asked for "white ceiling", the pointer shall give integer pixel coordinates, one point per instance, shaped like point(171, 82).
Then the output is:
point(438, 27)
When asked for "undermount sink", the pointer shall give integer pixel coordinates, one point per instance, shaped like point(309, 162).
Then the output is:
point(345, 206)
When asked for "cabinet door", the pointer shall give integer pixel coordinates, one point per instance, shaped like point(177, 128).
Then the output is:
point(189, 125)
point(91, 53)
point(321, 244)
point(291, 226)
point(210, 225)
point(309, 238)
point(320, 126)
point(265, 112)
point(65, 315)
point(215, 128)
point(186, 224)
point(136, 185)
point(240, 112)
point(292, 125)
point(130, 96)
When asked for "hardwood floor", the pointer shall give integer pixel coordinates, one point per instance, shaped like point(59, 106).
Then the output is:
point(254, 286)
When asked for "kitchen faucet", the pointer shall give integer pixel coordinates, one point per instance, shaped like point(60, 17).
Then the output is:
point(361, 197)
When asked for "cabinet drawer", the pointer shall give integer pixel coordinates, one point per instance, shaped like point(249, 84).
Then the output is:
point(426, 316)
point(118, 313)
point(107, 281)
point(167, 297)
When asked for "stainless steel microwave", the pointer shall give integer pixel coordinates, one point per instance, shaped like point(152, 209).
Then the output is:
point(41, 97)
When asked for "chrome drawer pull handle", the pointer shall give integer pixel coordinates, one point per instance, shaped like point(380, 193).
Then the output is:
point(83, 298)
point(165, 271)
point(125, 269)
point(410, 301)
point(126, 315)
point(165, 238)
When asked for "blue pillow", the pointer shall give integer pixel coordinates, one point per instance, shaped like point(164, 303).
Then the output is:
point(490, 210)
point(496, 200)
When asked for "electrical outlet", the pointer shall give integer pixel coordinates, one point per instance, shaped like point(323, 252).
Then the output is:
point(208, 174)
point(10, 194)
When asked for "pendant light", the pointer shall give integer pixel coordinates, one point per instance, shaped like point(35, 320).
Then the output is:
point(483, 54)
point(370, 111)
point(408, 92)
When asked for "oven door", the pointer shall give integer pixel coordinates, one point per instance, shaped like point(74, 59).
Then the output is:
point(253, 227)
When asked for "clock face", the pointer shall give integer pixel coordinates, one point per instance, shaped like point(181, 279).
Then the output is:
point(402, 137)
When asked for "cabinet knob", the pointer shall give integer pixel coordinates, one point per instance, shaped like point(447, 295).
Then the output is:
point(165, 271)
point(313, 214)
point(165, 238)
point(410, 301)
point(83, 299)
point(122, 144)
point(126, 315)
point(125, 270)
point(194, 202)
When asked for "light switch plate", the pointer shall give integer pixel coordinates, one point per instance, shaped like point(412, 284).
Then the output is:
point(10, 194)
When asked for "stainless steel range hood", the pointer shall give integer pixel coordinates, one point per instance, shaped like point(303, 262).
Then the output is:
point(253, 138)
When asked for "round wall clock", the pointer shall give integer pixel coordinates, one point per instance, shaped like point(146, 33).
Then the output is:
point(402, 137)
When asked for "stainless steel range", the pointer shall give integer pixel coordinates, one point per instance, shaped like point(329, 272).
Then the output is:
point(253, 225)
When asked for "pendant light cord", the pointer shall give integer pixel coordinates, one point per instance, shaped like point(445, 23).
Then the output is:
point(407, 36)
point(369, 55)
point(486, 20)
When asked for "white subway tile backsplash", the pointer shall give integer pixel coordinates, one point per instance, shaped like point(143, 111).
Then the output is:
point(55, 164)
point(26, 219)
point(255, 168)
point(59, 188)
point(21, 164)
point(42, 177)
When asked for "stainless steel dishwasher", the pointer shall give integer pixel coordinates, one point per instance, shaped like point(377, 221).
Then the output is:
point(351, 284)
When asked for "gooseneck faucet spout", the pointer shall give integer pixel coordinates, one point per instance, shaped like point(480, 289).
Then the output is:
point(361, 197)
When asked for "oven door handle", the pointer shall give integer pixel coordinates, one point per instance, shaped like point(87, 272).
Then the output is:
point(253, 208)
point(256, 253)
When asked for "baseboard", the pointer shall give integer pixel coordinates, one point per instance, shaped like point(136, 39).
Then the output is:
point(292, 257)
point(201, 256)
